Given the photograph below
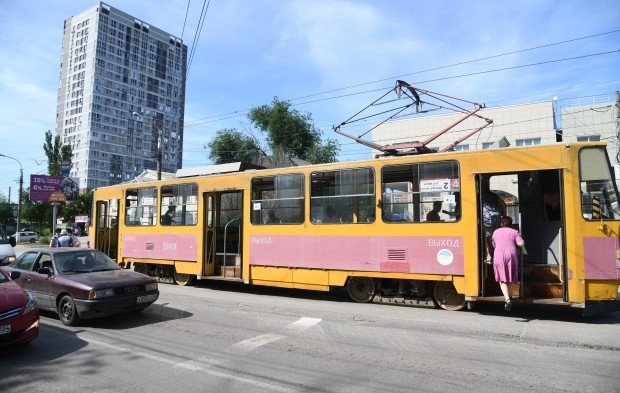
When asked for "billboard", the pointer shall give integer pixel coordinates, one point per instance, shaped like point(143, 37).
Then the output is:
point(53, 188)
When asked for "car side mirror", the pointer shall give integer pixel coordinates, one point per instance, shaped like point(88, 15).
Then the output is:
point(45, 270)
point(12, 241)
point(15, 274)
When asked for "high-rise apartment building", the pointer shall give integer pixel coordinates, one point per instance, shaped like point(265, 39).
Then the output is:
point(121, 93)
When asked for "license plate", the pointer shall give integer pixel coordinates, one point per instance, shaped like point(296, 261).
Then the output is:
point(5, 329)
point(146, 298)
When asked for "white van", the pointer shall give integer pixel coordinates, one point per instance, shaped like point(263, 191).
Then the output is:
point(7, 253)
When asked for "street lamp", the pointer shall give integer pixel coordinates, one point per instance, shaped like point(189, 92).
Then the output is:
point(19, 197)
point(158, 155)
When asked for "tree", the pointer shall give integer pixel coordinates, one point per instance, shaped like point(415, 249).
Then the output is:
point(81, 206)
point(230, 145)
point(292, 132)
point(6, 210)
point(37, 213)
point(289, 134)
point(56, 153)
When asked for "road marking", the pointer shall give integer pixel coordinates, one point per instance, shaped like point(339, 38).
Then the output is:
point(190, 366)
point(303, 323)
point(252, 343)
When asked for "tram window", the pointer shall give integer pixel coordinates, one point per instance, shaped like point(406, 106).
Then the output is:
point(343, 196)
point(599, 196)
point(140, 206)
point(181, 203)
point(278, 199)
point(421, 192)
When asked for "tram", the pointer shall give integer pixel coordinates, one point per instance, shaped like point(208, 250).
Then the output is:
point(366, 226)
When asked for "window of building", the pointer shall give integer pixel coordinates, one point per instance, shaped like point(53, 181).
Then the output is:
point(343, 196)
point(588, 138)
point(486, 145)
point(421, 192)
point(179, 204)
point(461, 148)
point(140, 207)
point(528, 142)
point(278, 199)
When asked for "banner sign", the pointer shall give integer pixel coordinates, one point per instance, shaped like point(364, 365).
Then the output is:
point(81, 219)
point(53, 188)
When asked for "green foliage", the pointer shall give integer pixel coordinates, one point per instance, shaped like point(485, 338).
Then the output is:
point(79, 207)
point(37, 213)
point(289, 134)
point(292, 132)
point(6, 210)
point(56, 153)
point(229, 145)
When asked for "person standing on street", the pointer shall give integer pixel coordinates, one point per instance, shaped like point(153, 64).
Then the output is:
point(54, 239)
point(65, 240)
point(75, 240)
point(505, 258)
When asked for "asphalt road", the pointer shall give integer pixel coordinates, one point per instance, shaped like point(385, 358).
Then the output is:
point(224, 337)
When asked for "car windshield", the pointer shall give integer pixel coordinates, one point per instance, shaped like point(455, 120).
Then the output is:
point(83, 262)
point(2, 277)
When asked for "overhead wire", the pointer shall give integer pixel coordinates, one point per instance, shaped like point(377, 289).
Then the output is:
point(438, 68)
point(185, 20)
point(203, 14)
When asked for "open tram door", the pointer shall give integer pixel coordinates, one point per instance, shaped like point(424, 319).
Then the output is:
point(534, 201)
point(106, 227)
point(223, 234)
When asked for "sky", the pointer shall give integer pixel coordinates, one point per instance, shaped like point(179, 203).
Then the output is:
point(329, 58)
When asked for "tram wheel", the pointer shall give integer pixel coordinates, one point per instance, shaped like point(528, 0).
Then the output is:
point(361, 289)
point(183, 279)
point(140, 268)
point(447, 297)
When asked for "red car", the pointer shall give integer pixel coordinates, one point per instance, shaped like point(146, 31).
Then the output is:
point(19, 315)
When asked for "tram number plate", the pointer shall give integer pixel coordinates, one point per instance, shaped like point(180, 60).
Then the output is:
point(146, 298)
point(5, 329)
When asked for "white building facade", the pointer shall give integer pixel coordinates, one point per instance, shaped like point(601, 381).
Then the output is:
point(121, 96)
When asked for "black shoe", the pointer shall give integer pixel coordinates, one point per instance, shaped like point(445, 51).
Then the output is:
point(508, 305)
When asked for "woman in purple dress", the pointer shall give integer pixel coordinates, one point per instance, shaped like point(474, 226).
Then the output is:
point(505, 259)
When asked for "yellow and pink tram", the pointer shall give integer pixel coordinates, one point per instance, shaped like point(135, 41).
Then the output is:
point(365, 225)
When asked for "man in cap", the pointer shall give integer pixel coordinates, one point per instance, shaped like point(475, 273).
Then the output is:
point(65, 240)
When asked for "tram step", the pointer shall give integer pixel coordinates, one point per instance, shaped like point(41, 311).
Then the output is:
point(542, 273)
point(543, 290)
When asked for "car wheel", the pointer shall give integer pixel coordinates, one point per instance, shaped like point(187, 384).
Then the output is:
point(32, 240)
point(67, 312)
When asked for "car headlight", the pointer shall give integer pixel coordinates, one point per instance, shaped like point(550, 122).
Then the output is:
point(100, 293)
point(31, 305)
point(151, 287)
point(8, 260)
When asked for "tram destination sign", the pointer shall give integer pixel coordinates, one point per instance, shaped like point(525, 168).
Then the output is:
point(50, 188)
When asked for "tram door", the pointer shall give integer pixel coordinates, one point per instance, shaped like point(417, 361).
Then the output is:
point(534, 201)
point(106, 227)
point(223, 234)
